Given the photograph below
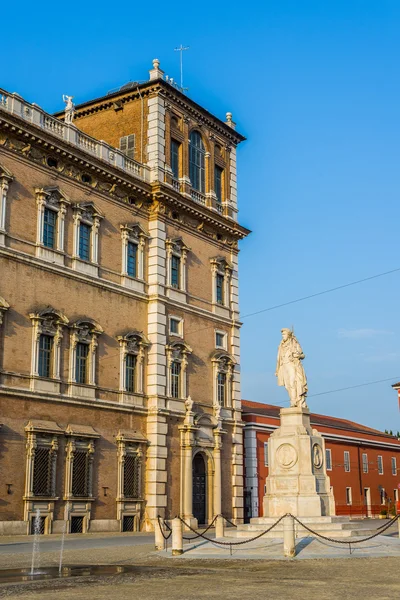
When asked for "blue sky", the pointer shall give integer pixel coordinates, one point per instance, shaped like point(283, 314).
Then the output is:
point(315, 87)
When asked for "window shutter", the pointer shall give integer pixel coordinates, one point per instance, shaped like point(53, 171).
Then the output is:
point(127, 145)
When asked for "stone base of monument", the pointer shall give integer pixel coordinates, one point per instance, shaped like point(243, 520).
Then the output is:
point(297, 481)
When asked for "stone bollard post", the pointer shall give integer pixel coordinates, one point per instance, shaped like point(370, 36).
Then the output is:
point(177, 540)
point(219, 527)
point(158, 536)
point(289, 541)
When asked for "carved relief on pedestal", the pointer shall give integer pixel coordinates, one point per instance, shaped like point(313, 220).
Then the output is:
point(286, 456)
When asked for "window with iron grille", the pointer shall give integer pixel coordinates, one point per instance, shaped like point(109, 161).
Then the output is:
point(82, 351)
point(76, 524)
point(45, 355)
point(347, 461)
point(49, 228)
point(365, 463)
point(175, 379)
point(132, 475)
point(128, 523)
point(175, 271)
point(84, 241)
point(221, 388)
point(220, 288)
point(197, 162)
point(130, 372)
point(328, 458)
point(175, 158)
point(81, 474)
point(394, 465)
point(127, 145)
point(218, 182)
point(42, 484)
point(131, 267)
point(380, 465)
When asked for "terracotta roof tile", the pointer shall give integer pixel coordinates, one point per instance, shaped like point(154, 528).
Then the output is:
point(270, 410)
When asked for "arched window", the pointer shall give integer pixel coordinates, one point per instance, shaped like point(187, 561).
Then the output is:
point(197, 162)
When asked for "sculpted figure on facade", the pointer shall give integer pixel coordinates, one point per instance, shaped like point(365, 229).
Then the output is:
point(69, 109)
point(290, 371)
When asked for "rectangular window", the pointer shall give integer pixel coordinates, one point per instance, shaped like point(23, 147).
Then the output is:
point(328, 457)
point(218, 183)
point(348, 495)
point(380, 465)
point(127, 145)
point(131, 266)
point(221, 388)
point(175, 158)
point(45, 354)
point(84, 241)
point(394, 465)
point(175, 271)
point(132, 476)
point(383, 495)
point(81, 474)
point(175, 326)
point(347, 461)
point(175, 379)
point(365, 463)
point(82, 352)
point(265, 454)
point(42, 472)
point(130, 372)
point(220, 339)
point(220, 288)
point(49, 228)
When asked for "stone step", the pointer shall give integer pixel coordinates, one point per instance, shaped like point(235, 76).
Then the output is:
point(301, 533)
point(307, 520)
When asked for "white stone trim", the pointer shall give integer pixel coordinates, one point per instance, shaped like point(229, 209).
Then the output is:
point(88, 214)
point(133, 234)
point(47, 322)
point(5, 180)
point(132, 343)
point(86, 332)
point(178, 352)
point(156, 137)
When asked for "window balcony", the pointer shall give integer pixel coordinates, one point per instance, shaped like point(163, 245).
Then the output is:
point(198, 196)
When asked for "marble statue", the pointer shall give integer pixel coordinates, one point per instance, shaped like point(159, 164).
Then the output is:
point(290, 371)
point(69, 109)
point(189, 404)
point(217, 411)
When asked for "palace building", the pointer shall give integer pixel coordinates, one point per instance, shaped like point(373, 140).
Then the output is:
point(363, 464)
point(119, 317)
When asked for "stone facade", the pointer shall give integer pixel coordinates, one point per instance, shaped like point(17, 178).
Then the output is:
point(116, 276)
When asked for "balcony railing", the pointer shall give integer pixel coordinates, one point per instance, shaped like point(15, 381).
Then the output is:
point(198, 196)
point(16, 105)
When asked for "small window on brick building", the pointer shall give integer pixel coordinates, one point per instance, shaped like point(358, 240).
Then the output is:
point(365, 463)
point(265, 454)
point(380, 465)
point(347, 461)
point(348, 495)
point(394, 465)
point(127, 145)
point(328, 455)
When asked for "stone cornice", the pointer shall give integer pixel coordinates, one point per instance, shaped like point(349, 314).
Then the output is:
point(174, 199)
point(155, 87)
point(43, 141)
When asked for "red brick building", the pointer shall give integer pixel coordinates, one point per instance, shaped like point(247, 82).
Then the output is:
point(363, 464)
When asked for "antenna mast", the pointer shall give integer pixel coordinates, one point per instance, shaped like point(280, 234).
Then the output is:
point(181, 49)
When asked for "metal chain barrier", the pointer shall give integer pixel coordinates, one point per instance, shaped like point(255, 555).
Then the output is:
point(232, 543)
point(379, 531)
point(199, 534)
point(228, 521)
point(166, 537)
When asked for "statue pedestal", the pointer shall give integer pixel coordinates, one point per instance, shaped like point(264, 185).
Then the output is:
point(297, 480)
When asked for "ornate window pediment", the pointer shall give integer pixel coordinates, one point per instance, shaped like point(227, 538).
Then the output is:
point(176, 263)
point(48, 327)
point(5, 175)
point(133, 346)
point(133, 243)
point(87, 211)
point(134, 231)
point(177, 361)
point(83, 346)
point(223, 369)
point(52, 207)
point(177, 246)
point(52, 196)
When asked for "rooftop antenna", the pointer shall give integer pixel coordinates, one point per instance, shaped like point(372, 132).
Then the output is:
point(181, 50)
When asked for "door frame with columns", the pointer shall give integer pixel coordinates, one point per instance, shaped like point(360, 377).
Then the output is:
point(206, 437)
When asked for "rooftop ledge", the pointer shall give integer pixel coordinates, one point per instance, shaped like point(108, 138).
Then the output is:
point(32, 113)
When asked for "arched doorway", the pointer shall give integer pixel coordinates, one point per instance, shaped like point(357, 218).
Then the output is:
point(199, 488)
